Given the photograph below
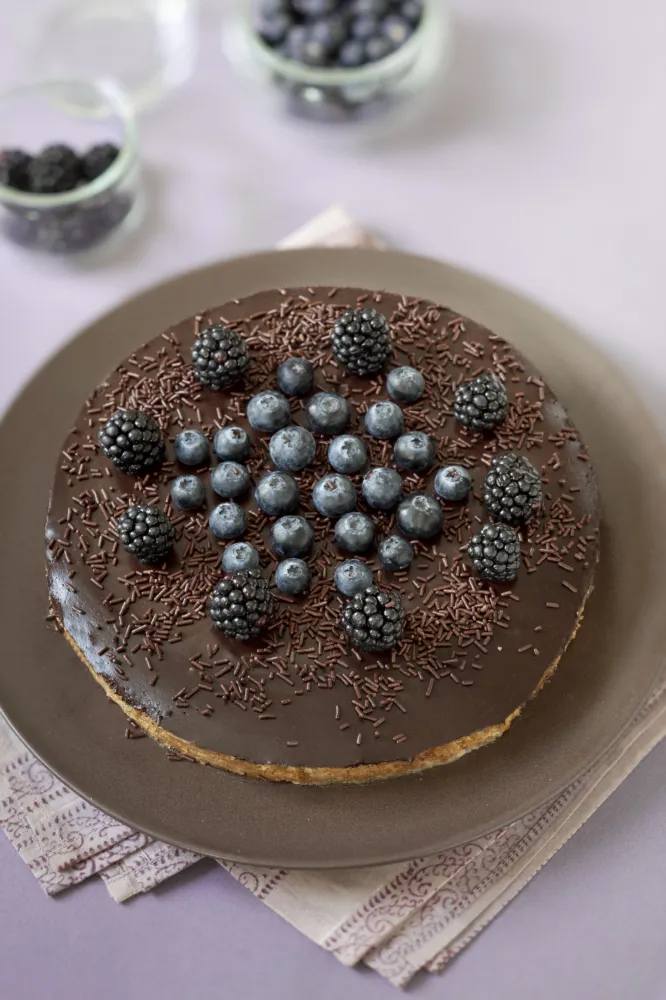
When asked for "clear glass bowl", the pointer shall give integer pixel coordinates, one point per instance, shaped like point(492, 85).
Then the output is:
point(146, 46)
point(79, 114)
point(340, 95)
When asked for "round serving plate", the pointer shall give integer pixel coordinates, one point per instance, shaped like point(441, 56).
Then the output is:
point(58, 710)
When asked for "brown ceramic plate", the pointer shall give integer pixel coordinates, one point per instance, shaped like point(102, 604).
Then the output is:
point(57, 708)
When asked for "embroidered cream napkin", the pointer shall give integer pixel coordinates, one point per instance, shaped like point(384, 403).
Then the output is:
point(397, 919)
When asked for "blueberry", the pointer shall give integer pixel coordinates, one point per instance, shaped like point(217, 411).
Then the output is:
point(453, 483)
point(295, 376)
point(268, 411)
point(364, 28)
point(352, 53)
point(239, 556)
point(191, 448)
point(277, 493)
point(396, 30)
point(419, 516)
point(315, 8)
point(292, 536)
point(293, 448)
point(292, 576)
point(373, 8)
point(274, 6)
point(334, 495)
point(329, 32)
point(228, 520)
point(384, 420)
point(412, 10)
point(327, 413)
point(377, 48)
point(405, 384)
point(355, 532)
point(352, 576)
point(232, 444)
point(313, 53)
point(188, 493)
point(382, 488)
point(274, 27)
point(347, 454)
point(297, 38)
point(230, 479)
point(414, 451)
point(395, 554)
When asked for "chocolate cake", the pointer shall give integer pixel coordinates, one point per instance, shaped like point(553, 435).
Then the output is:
point(469, 609)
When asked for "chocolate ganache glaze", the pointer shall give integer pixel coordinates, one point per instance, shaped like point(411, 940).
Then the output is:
point(297, 703)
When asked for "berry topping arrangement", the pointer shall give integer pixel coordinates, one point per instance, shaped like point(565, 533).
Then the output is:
point(342, 33)
point(361, 342)
point(315, 496)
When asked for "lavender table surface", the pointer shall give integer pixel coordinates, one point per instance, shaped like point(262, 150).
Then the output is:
point(543, 167)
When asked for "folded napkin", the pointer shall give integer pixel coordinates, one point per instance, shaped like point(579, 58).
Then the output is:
point(398, 919)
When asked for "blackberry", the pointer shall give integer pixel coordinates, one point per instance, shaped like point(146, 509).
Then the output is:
point(133, 442)
point(495, 553)
point(481, 403)
point(373, 620)
point(512, 489)
point(98, 159)
point(241, 604)
point(147, 533)
point(14, 169)
point(56, 169)
point(361, 341)
point(219, 357)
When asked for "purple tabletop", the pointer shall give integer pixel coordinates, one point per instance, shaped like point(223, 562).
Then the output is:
point(542, 166)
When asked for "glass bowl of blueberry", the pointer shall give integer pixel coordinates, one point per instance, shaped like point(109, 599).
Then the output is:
point(341, 61)
point(69, 165)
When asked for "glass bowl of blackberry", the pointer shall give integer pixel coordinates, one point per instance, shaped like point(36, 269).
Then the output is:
point(69, 165)
point(341, 61)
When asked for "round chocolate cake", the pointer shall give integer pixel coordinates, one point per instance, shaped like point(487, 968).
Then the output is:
point(322, 535)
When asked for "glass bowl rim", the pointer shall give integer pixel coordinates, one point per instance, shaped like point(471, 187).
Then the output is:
point(118, 103)
point(434, 13)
